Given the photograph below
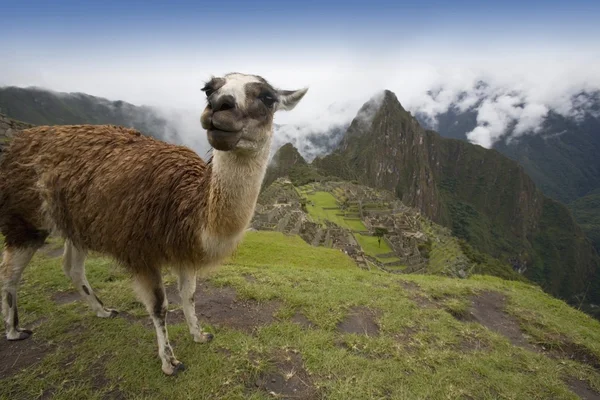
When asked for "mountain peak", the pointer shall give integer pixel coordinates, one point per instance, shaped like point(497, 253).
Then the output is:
point(287, 161)
point(389, 96)
point(288, 155)
point(381, 106)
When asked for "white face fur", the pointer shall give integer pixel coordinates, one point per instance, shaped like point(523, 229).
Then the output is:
point(235, 85)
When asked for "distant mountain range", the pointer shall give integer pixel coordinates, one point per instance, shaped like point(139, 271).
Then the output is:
point(42, 107)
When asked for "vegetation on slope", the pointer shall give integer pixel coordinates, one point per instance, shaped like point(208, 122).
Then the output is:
point(303, 322)
point(586, 212)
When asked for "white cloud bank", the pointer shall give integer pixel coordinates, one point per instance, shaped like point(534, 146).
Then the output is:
point(339, 82)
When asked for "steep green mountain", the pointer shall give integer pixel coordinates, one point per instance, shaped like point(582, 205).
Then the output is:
point(42, 107)
point(586, 211)
point(287, 161)
point(484, 197)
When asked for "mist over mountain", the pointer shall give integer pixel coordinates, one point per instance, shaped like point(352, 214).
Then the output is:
point(310, 141)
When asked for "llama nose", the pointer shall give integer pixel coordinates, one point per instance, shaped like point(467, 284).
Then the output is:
point(223, 103)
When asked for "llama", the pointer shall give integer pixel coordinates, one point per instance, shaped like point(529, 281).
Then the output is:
point(146, 203)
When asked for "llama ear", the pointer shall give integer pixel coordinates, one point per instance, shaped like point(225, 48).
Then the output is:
point(288, 99)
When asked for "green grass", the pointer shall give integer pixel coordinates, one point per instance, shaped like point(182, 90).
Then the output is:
point(317, 210)
point(323, 284)
point(355, 225)
point(323, 199)
point(418, 354)
point(371, 246)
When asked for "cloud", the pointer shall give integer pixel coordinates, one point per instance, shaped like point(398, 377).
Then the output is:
point(495, 116)
point(508, 108)
point(523, 81)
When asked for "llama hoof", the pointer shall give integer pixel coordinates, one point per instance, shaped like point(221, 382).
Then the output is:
point(204, 337)
point(20, 334)
point(173, 369)
point(108, 313)
point(180, 367)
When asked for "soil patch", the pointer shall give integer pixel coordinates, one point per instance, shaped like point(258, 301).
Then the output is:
point(488, 309)
point(573, 351)
point(301, 320)
point(290, 380)
point(70, 296)
point(360, 320)
point(20, 354)
point(582, 389)
point(97, 373)
point(221, 306)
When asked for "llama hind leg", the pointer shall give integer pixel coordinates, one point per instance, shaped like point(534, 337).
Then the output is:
point(187, 288)
point(74, 268)
point(15, 259)
point(151, 291)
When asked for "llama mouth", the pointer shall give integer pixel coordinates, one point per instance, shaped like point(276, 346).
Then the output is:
point(223, 140)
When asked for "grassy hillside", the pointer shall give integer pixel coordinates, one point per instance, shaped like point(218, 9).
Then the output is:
point(295, 321)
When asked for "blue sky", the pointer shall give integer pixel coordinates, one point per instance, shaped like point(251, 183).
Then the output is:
point(159, 53)
point(305, 23)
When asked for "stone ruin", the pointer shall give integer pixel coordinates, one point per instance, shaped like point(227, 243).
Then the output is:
point(280, 209)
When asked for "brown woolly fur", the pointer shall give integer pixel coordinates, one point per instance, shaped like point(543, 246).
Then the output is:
point(84, 177)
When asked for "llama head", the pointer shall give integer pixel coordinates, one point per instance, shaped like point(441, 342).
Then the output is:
point(239, 112)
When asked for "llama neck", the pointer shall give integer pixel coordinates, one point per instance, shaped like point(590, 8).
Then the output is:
point(235, 184)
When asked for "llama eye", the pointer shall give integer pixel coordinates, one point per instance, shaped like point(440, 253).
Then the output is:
point(208, 90)
point(267, 98)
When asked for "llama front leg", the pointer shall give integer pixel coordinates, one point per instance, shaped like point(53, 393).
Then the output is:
point(14, 261)
point(187, 289)
point(151, 291)
point(74, 268)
